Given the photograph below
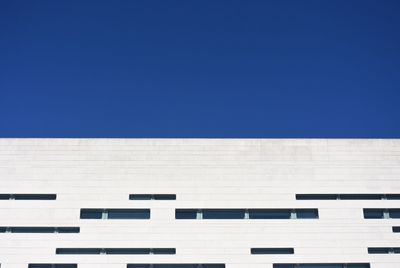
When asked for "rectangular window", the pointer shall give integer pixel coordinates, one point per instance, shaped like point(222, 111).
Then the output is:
point(307, 213)
point(223, 214)
point(176, 265)
point(358, 265)
point(347, 196)
point(185, 214)
point(42, 229)
point(66, 230)
point(321, 265)
point(395, 229)
point(344, 196)
point(361, 196)
point(28, 196)
point(140, 197)
point(163, 251)
point(87, 213)
point(316, 196)
point(115, 213)
point(378, 250)
point(383, 250)
point(164, 197)
point(127, 251)
point(373, 213)
point(272, 251)
point(5, 196)
point(117, 251)
point(394, 213)
point(135, 214)
point(393, 196)
point(91, 251)
point(269, 213)
point(3, 229)
point(52, 265)
point(152, 197)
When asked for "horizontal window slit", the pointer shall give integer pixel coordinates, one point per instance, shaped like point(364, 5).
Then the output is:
point(381, 213)
point(52, 265)
point(26, 229)
point(176, 265)
point(152, 197)
point(28, 196)
point(384, 250)
point(229, 214)
point(117, 251)
point(347, 196)
point(256, 251)
point(321, 265)
point(134, 214)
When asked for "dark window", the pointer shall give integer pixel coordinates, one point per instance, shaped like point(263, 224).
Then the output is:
point(317, 265)
point(358, 265)
point(393, 196)
point(378, 250)
point(176, 265)
point(164, 197)
point(360, 196)
point(41, 229)
point(308, 213)
point(223, 213)
point(140, 197)
point(115, 213)
point(181, 265)
point(373, 213)
point(152, 197)
point(67, 229)
point(382, 250)
point(127, 251)
point(347, 196)
point(32, 229)
point(128, 213)
point(52, 265)
point(272, 251)
point(394, 213)
point(4, 229)
point(78, 250)
point(322, 265)
point(183, 214)
point(35, 196)
point(396, 229)
point(163, 251)
point(316, 196)
point(28, 196)
point(87, 213)
point(116, 251)
point(269, 213)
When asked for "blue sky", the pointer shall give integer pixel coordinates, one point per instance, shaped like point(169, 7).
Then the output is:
point(273, 69)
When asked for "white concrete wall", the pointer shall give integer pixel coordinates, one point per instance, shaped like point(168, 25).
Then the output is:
point(203, 173)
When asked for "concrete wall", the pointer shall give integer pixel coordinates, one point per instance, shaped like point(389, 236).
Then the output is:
point(203, 173)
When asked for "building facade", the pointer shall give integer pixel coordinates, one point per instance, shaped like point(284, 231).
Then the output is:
point(191, 203)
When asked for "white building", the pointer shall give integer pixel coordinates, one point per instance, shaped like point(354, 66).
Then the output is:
point(211, 203)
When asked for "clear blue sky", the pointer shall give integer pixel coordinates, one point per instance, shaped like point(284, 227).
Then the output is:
point(215, 68)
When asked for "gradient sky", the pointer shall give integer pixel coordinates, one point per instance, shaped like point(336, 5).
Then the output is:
point(215, 68)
